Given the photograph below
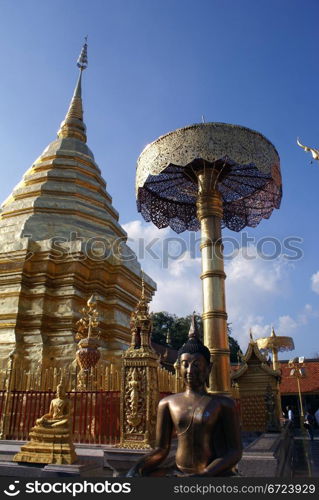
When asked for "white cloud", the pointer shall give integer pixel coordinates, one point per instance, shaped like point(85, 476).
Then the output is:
point(264, 275)
point(257, 326)
point(178, 284)
point(286, 325)
point(138, 230)
point(307, 314)
point(315, 282)
point(252, 284)
point(178, 297)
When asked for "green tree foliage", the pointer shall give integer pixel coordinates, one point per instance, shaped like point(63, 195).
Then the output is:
point(179, 327)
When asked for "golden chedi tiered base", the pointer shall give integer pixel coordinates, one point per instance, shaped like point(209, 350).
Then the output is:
point(48, 446)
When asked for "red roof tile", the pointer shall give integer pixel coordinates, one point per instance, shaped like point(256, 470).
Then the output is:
point(309, 383)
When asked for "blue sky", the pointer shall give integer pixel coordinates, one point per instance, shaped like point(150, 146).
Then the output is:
point(158, 65)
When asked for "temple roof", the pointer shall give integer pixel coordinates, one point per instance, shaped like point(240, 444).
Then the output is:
point(253, 356)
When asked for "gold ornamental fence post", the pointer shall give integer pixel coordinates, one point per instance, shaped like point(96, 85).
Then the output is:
point(140, 388)
point(7, 406)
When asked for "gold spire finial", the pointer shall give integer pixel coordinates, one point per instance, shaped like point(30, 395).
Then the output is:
point(73, 125)
point(272, 332)
point(82, 61)
point(193, 330)
point(251, 335)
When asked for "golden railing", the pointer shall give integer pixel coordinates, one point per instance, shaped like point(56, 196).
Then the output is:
point(25, 395)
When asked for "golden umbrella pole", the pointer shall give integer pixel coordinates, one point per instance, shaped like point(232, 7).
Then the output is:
point(302, 416)
point(210, 213)
point(275, 360)
point(276, 366)
point(297, 370)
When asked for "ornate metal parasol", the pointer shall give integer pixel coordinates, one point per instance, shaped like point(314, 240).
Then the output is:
point(274, 345)
point(209, 176)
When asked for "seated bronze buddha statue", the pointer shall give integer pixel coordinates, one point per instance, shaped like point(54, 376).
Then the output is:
point(207, 425)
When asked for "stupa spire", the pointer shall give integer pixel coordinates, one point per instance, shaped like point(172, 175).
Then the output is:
point(73, 125)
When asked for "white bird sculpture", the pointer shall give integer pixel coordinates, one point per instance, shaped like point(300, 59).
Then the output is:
point(314, 152)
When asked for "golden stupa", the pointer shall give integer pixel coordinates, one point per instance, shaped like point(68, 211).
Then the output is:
point(60, 242)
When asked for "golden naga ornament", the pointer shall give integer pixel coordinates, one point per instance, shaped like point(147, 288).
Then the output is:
point(88, 354)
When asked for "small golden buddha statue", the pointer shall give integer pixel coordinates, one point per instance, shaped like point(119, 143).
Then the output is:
point(207, 425)
point(58, 413)
point(50, 438)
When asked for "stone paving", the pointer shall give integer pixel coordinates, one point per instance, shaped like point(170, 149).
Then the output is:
point(306, 456)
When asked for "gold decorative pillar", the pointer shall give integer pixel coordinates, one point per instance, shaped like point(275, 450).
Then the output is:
point(87, 354)
point(7, 405)
point(139, 390)
point(210, 213)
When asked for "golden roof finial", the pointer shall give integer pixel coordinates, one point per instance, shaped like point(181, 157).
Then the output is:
point(91, 303)
point(251, 335)
point(272, 332)
point(73, 125)
point(313, 151)
point(143, 286)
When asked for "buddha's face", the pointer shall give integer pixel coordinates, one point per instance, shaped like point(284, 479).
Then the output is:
point(194, 370)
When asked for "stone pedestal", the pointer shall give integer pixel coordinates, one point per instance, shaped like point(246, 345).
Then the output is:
point(47, 447)
point(84, 469)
